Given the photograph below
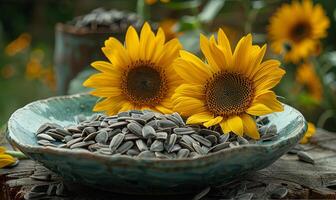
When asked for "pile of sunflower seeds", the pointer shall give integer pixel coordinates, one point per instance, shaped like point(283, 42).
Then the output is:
point(144, 134)
point(112, 20)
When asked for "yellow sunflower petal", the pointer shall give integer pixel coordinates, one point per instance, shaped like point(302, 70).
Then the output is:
point(250, 127)
point(2, 150)
point(190, 72)
point(235, 123)
point(225, 127)
point(259, 109)
point(107, 92)
point(213, 121)
point(199, 118)
point(132, 43)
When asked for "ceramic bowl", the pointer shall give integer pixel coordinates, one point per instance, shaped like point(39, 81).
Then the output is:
point(144, 176)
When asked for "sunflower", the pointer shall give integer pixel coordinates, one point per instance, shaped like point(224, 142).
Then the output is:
point(307, 77)
point(295, 29)
point(5, 159)
point(310, 132)
point(230, 88)
point(168, 26)
point(139, 74)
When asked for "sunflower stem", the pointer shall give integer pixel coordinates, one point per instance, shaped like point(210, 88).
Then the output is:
point(16, 154)
point(143, 10)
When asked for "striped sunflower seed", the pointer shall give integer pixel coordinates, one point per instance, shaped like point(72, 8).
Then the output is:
point(157, 146)
point(148, 132)
point(146, 154)
point(133, 152)
point(220, 146)
point(166, 124)
point(135, 128)
point(102, 137)
point(125, 147)
point(116, 141)
point(183, 153)
point(202, 140)
point(161, 135)
point(184, 130)
point(43, 136)
point(141, 145)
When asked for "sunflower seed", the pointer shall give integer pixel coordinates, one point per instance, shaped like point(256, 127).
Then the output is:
point(183, 153)
point(125, 147)
point(305, 157)
point(186, 146)
point(67, 138)
point(112, 121)
point(213, 139)
point(102, 137)
point(279, 193)
point(242, 140)
point(161, 155)
point(233, 144)
point(147, 116)
point(198, 149)
point(178, 118)
point(118, 124)
point(55, 135)
point(133, 152)
point(91, 136)
point(193, 154)
point(82, 144)
point(161, 135)
point(189, 140)
point(116, 141)
point(272, 129)
point(135, 128)
point(219, 147)
point(105, 151)
point(62, 131)
point(62, 146)
point(141, 145)
point(171, 142)
point(89, 130)
point(146, 154)
point(223, 138)
point(113, 133)
point(176, 147)
point(166, 124)
point(73, 129)
point(123, 114)
point(104, 124)
point(76, 135)
point(209, 132)
point(125, 130)
point(44, 136)
point(262, 120)
point(131, 136)
point(43, 128)
point(148, 132)
point(202, 140)
point(184, 131)
point(73, 141)
point(156, 146)
point(149, 142)
point(45, 143)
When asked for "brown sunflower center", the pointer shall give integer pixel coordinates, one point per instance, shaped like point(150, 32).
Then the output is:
point(229, 93)
point(144, 83)
point(300, 31)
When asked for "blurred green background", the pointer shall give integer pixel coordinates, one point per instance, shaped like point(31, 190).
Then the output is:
point(27, 41)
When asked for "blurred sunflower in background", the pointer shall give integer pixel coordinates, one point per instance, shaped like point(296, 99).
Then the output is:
point(230, 88)
point(310, 132)
point(5, 159)
point(169, 26)
point(151, 2)
point(295, 29)
point(308, 78)
point(139, 74)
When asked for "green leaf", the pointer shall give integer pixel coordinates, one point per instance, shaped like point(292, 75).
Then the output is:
point(180, 5)
point(211, 10)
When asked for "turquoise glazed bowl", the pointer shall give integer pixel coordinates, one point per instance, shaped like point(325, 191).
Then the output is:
point(144, 176)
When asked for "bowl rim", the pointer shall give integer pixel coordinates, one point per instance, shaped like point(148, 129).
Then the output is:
point(297, 132)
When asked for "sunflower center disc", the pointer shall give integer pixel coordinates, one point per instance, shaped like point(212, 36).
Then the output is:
point(229, 94)
point(300, 31)
point(143, 84)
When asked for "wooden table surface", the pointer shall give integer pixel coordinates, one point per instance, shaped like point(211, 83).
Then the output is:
point(287, 178)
